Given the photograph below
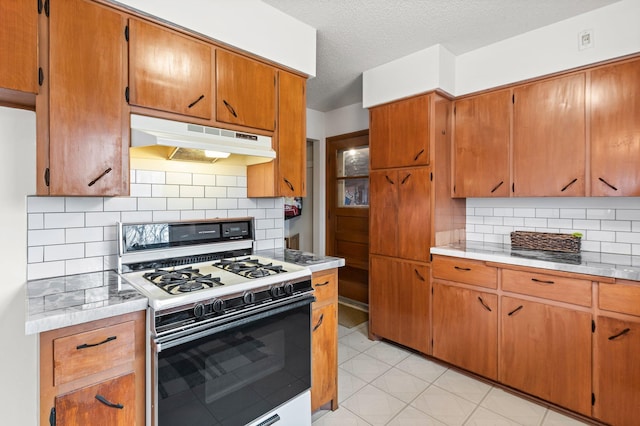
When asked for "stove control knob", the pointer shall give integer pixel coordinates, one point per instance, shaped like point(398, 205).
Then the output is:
point(288, 289)
point(249, 298)
point(217, 306)
point(275, 291)
point(198, 310)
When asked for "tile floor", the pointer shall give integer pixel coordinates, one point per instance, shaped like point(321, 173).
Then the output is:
point(383, 384)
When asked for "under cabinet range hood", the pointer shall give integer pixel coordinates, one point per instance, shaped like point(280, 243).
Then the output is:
point(173, 140)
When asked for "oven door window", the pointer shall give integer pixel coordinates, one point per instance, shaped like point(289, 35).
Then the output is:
point(235, 376)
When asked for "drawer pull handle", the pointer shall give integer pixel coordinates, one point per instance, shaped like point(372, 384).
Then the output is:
point(515, 310)
point(418, 155)
point(622, 333)
point(389, 180)
point(99, 177)
point(91, 345)
point(288, 184)
point(462, 269)
point(322, 284)
point(495, 188)
point(420, 277)
point(405, 179)
point(319, 323)
point(230, 108)
point(608, 184)
point(484, 304)
point(192, 104)
point(569, 184)
point(108, 403)
point(535, 280)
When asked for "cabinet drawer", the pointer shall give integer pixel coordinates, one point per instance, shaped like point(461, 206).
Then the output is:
point(465, 271)
point(623, 298)
point(325, 285)
point(561, 289)
point(93, 351)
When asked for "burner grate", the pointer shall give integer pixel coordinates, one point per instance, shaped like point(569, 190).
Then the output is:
point(182, 280)
point(249, 268)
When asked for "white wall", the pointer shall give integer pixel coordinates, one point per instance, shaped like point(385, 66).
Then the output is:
point(19, 393)
point(350, 118)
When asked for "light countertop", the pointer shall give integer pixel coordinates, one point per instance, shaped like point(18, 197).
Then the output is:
point(312, 261)
point(588, 263)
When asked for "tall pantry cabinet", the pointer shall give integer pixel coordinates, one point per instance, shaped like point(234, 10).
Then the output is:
point(410, 211)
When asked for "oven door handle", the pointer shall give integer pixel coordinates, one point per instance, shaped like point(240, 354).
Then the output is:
point(166, 342)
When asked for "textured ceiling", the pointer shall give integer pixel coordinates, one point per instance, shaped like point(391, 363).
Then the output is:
point(357, 35)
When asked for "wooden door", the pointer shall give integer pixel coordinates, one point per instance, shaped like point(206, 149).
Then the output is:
point(169, 71)
point(481, 145)
point(399, 302)
point(413, 209)
point(292, 139)
point(615, 130)
point(465, 328)
point(19, 46)
point(324, 323)
point(549, 143)
point(88, 114)
point(245, 91)
point(110, 403)
point(546, 351)
point(400, 133)
point(617, 372)
point(348, 201)
point(383, 213)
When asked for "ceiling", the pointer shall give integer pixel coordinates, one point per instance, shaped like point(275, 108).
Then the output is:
point(356, 35)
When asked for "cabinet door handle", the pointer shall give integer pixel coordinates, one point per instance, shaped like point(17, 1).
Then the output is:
point(230, 108)
point(99, 177)
point(389, 180)
point(484, 304)
point(91, 345)
point(108, 403)
point(495, 188)
point(622, 333)
point(608, 184)
point(405, 179)
point(420, 277)
point(569, 184)
point(319, 323)
point(322, 284)
point(535, 280)
point(515, 310)
point(196, 101)
point(288, 184)
point(418, 155)
point(461, 269)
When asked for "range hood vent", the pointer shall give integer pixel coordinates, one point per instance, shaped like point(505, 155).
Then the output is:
point(174, 140)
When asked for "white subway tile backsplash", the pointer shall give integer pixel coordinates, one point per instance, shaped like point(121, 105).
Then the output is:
point(619, 248)
point(140, 190)
point(590, 245)
point(587, 224)
point(165, 190)
point(204, 180)
point(601, 236)
point(560, 223)
point(239, 213)
point(635, 226)
point(628, 237)
point(84, 204)
point(503, 211)
point(514, 221)
point(179, 178)
point(215, 192)
point(476, 220)
point(63, 220)
point(130, 217)
point(256, 213)
point(191, 191)
point(493, 220)
point(548, 213)
point(101, 248)
point(102, 219)
point(45, 237)
point(266, 203)
point(275, 233)
point(484, 229)
point(192, 215)
point(237, 192)
point(228, 203)
point(110, 233)
point(152, 203)
point(35, 254)
point(150, 176)
point(223, 180)
point(615, 225)
point(484, 211)
point(120, 204)
point(573, 213)
point(265, 223)
point(628, 214)
point(241, 181)
point(45, 270)
point(83, 235)
point(84, 265)
point(35, 220)
point(45, 204)
point(601, 214)
point(63, 252)
point(524, 212)
point(179, 204)
point(535, 222)
point(275, 213)
point(205, 203)
point(166, 215)
point(217, 214)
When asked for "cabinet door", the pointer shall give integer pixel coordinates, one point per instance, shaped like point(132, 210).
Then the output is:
point(399, 133)
point(246, 91)
point(615, 130)
point(292, 142)
point(324, 375)
point(88, 119)
point(18, 46)
point(465, 328)
point(383, 212)
point(399, 302)
point(538, 338)
point(549, 142)
point(169, 71)
point(110, 403)
point(413, 210)
point(617, 394)
point(481, 145)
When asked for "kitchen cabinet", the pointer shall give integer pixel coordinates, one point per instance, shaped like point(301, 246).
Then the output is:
point(82, 120)
point(481, 140)
point(400, 204)
point(549, 142)
point(19, 52)
point(245, 91)
point(169, 71)
point(94, 370)
point(399, 133)
point(615, 129)
point(399, 297)
point(324, 340)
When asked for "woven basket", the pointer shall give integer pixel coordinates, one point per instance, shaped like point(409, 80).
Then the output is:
point(545, 241)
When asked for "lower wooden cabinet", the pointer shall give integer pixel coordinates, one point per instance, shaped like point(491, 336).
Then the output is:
point(324, 340)
point(465, 328)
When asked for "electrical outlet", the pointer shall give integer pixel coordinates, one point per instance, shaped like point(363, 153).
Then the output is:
point(585, 39)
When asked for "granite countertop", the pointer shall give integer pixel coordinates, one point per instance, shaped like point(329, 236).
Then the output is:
point(586, 262)
point(312, 261)
point(75, 299)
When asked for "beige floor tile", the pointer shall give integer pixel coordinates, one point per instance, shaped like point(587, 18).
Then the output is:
point(348, 384)
point(388, 353)
point(358, 340)
point(412, 417)
point(444, 406)
point(484, 417)
point(400, 384)
point(373, 405)
point(365, 367)
point(346, 352)
point(470, 389)
point(421, 367)
point(553, 418)
point(513, 407)
point(340, 417)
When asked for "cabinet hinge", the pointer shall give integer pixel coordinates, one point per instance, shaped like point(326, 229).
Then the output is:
point(126, 33)
point(52, 417)
point(46, 8)
point(46, 176)
point(593, 326)
point(40, 76)
point(593, 398)
point(126, 94)
point(431, 176)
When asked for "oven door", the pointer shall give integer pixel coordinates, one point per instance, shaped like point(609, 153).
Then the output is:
point(233, 373)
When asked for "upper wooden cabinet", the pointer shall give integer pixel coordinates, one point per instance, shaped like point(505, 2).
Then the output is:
point(18, 49)
point(292, 135)
point(83, 122)
point(481, 145)
point(245, 91)
point(549, 142)
point(399, 133)
point(615, 130)
point(169, 71)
